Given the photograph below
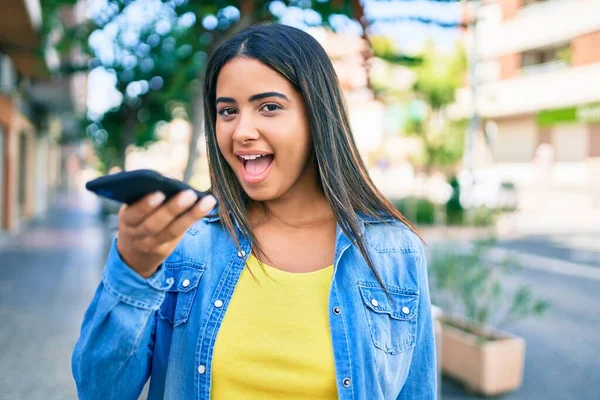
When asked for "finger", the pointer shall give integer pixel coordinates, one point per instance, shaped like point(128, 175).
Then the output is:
point(147, 244)
point(166, 214)
point(155, 244)
point(184, 222)
point(132, 215)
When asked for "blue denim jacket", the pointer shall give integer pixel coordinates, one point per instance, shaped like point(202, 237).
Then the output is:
point(165, 327)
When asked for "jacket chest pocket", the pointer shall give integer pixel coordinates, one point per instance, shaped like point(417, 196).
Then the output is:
point(392, 322)
point(178, 302)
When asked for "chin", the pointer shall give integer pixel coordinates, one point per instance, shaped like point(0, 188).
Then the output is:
point(261, 194)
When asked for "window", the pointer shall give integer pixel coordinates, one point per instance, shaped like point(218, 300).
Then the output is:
point(595, 140)
point(531, 2)
point(1, 175)
point(570, 142)
point(8, 75)
point(23, 173)
point(546, 59)
point(2, 72)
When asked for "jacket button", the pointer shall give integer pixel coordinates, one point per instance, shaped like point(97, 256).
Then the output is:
point(405, 310)
point(219, 303)
point(186, 283)
point(201, 369)
point(374, 302)
point(337, 310)
point(241, 254)
point(346, 382)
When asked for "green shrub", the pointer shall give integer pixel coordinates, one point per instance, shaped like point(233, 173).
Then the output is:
point(454, 210)
point(484, 216)
point(417, 210)
point(423, 212)
point(465, 282)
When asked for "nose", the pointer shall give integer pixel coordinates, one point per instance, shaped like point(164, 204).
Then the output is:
point(245, 130)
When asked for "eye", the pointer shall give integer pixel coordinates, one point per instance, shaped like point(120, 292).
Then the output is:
point(227, 111)
point(271, 107)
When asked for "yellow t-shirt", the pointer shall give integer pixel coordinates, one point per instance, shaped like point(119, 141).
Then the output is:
point(275, 341)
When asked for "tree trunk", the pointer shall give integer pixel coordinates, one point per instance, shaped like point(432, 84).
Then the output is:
point(127, 137)
point(359, 15)
point(197, 129)
point(248, 10)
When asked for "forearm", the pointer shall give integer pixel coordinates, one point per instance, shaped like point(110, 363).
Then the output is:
point(113, 355)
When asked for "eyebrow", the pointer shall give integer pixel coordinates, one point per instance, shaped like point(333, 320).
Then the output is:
point(253, 97)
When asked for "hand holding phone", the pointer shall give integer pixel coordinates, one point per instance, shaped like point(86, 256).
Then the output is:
point(131, 186)
point(149, 231)
point(151, 227)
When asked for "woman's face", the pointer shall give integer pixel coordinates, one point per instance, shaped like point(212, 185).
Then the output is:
point(262, 129)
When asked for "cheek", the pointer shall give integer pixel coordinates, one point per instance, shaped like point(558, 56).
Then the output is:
point(223, 140)
point(296, 139)
point(297, 155)
point(305, 143)
point(304, 133)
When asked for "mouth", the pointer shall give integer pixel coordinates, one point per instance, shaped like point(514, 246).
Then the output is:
point(255, 167)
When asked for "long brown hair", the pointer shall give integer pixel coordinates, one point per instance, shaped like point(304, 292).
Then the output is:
point(298, 57)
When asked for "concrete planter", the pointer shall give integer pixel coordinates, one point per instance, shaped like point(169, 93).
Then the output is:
point(487, 367)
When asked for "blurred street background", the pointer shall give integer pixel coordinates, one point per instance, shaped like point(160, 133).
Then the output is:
point(479, 120)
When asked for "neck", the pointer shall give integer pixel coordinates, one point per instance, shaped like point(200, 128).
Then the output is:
point(303, 204)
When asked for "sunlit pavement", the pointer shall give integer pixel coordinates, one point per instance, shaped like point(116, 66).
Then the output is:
point(49, 272)
point(563, 347)
point(583, 247)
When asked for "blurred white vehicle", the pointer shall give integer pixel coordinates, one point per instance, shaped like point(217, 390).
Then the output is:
point(486, 189)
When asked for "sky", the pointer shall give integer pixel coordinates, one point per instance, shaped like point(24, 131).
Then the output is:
point(391, 18)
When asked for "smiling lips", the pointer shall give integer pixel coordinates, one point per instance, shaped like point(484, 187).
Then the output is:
point(255, 167)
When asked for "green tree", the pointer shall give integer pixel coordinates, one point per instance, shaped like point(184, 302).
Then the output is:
point(439, 75)
point(437, 79)
point(160, 62)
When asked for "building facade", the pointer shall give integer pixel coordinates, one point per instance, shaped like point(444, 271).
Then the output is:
point(18, 151)
point(37, 111)
point(538, 84)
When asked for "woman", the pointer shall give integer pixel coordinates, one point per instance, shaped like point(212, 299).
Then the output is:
point(305, 283)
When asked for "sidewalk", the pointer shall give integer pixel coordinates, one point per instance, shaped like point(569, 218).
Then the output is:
point(438, 234)
point(48, 274)
point(513, 226)
point(560, 265)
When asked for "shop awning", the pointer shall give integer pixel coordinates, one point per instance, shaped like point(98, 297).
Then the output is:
point(20, 38)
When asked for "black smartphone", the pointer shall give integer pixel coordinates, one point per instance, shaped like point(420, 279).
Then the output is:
point(130, 186)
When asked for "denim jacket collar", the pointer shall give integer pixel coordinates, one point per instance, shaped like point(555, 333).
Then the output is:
point(213, 216)
point(341, 239)
point(383, 349)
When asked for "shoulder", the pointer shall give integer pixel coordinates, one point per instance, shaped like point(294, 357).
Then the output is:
point(397, 253)
point(203, 237)
point(392, 236)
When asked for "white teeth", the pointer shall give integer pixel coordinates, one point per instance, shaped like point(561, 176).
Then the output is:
point(252, 157)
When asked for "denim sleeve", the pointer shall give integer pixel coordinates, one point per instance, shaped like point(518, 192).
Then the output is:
point(421, 382)
point(113, 356)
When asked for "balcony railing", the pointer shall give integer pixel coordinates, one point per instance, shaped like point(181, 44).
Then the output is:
point(543, 68)
point(531, 92)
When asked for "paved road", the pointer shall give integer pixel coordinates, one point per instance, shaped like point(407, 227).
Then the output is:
point(581, 248)
point(48, 276)
point(563, 347)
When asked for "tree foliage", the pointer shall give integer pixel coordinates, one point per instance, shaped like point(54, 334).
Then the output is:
point(159, 62)
point(439, 75)
point(465, 281)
